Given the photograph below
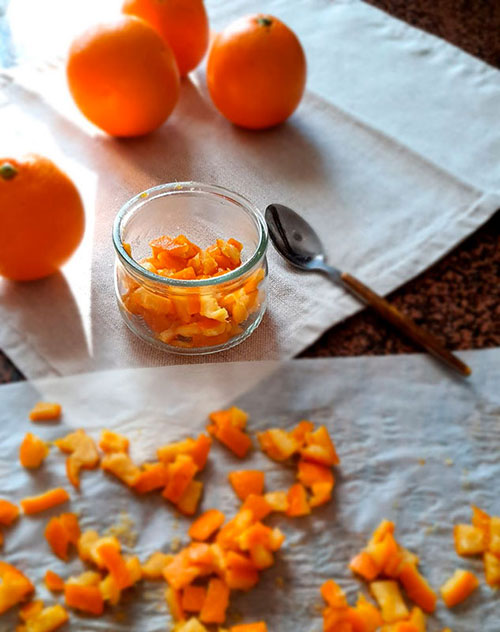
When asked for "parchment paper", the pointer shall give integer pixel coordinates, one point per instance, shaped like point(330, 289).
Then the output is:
point(385, 414)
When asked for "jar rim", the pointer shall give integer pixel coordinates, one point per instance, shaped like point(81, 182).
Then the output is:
point(187, 187)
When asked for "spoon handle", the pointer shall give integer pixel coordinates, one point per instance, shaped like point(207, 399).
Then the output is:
point(404, 323)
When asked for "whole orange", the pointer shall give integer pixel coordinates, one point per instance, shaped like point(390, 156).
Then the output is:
point(123, 77)
point(41, 218)
point(182, 23)
point(256, 71)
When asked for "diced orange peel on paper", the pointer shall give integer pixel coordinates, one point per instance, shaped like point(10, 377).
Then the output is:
point(225, 557)
point(482, 537)
point(42, 502)
point(384, 560)
point(61, 532)
point(45, 411)
point(82, 453)
point(14, 586)
point(32, 451)
point(228, 426)
point(173, 474)
point(36, 618)
point(315, 455)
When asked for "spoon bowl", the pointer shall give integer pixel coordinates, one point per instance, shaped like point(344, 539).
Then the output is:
point(293, 237)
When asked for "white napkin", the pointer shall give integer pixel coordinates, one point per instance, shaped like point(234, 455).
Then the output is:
point(391, 165)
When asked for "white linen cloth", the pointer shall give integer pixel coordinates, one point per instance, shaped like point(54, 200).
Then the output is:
point(421, 464)
point(392, 156)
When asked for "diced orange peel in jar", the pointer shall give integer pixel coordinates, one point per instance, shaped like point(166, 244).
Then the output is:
point(82, 454)
point(14, 586)
point(194, 317)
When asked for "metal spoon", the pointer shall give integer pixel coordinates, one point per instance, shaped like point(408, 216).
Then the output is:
point(299, 244)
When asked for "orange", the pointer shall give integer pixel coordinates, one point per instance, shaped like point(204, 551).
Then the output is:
point(123, 77)
point(41, 218)
point(181, 23)
point(256, 71)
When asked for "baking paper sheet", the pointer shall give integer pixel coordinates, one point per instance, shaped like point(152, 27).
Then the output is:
point(418, 445)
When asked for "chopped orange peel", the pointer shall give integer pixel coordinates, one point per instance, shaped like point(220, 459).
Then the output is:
point(32, 451)
point(338, 616)
point(47, 500)
point(206, 525)
point(61, 532)
point(153, 568)
point(82, 454)
point(40, 619)
point(122, 466)
point(8, 512)
point(113, 442)
point(45, 411)
point(228, 426)
point(193, 317)
point(316, 454)
point(482, 537)
point(14, 586)
point(386, 561)
point(458, 587)
point(246, 482)
point(53, 581)
point(224, 558)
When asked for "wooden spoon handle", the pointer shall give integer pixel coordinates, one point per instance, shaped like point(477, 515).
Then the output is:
point(405, 324)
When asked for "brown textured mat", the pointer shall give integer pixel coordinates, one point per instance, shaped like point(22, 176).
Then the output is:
point(458, 299)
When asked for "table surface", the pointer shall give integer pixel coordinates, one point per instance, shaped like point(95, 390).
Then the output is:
point(457, 299)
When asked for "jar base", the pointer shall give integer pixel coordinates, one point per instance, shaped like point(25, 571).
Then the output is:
point(190, 351)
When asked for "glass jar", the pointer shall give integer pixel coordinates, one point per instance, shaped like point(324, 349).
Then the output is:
point(193, 316)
